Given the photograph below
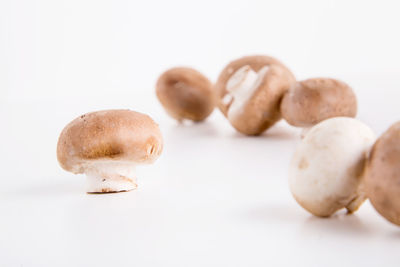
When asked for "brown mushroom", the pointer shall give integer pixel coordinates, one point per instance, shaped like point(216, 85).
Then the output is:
point(107, 146)
point(314, 100)
point(382, 175)
point(250, 90)
point(185, 93)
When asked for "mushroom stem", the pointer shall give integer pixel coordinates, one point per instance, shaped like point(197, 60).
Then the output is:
point(107, 178)
point(241, 87)
point(355, 203)
point(304, 132)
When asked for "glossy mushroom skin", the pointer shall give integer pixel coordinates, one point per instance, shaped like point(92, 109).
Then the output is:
point(314, 100)
point(383, 175)
point(261, 111)
point(108, 135)
point(185, 93)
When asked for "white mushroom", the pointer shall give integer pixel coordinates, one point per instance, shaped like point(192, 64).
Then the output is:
point(326, 170)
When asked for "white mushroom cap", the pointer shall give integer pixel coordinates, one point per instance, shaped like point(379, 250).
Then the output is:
point(326, 170)
point(107, 146)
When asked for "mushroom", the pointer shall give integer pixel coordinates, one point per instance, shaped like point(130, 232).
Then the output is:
point(106, 146)
point(311, 101)
point(382, 175)
point(326, 170)
point(185, 93)
point(250, 90)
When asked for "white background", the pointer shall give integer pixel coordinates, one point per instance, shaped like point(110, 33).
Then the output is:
point(215, 197)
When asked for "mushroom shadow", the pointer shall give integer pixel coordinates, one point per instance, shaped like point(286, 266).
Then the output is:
point(193, 129)
point(283, 133)
point(45, 189)
point(394, 235)
point(340, 223)
point(276, 132)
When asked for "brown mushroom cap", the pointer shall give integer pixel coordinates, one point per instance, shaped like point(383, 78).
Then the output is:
point(382, 175)
point(314, 100)
point(185, 93)
point(255, 62)
point(111, 135)
point(262, 109)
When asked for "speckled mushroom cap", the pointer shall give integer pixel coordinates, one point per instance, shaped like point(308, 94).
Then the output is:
point(314, 100)
point(109, 135)
point(261, 109)
point(383, 175)
point(185, 93)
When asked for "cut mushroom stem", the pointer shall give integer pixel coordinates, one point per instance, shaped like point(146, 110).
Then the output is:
point(355, 204)
point(241, 87)
point(110, 177)
point(250, 90)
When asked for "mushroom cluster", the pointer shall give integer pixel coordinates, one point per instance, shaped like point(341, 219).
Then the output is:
point(253, 93)
point(328, 170)
point(337, 164)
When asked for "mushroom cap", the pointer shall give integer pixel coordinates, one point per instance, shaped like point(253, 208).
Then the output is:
point(261, 110)
point(185, 93)
point(326, 170)
point(314, 100)
point(382, 175)
point(109, 135)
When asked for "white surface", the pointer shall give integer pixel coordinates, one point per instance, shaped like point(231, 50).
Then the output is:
point(215, 197)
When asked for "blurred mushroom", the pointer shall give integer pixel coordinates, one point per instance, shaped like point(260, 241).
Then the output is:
point(383, 175)
point(326, 170)
point(314, 100)
point(250, 90)
point(107, 146)
point(185, 93)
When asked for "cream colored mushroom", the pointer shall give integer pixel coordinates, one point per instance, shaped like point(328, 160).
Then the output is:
point(383, 175)
point(250, 90)
point(107, 146)
point(311, 101)
point(326, 170)
point(186, 94)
